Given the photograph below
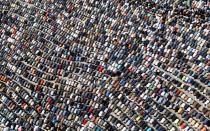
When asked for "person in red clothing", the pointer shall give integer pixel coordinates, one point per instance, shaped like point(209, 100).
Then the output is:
point(84, 122)
point(178, 92)
point(39, 109)
point(100, 68)
point(38, 88)
point(183, 125)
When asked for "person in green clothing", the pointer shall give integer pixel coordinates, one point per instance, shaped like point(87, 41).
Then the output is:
point(98, 129)
point(151, 87)
point(189, 3)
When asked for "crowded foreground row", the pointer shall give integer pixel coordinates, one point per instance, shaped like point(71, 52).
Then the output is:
point(104, 65)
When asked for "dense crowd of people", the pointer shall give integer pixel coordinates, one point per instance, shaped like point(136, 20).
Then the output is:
point(128, 65)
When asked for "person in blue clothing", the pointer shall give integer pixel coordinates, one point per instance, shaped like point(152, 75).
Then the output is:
point(149, 129)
